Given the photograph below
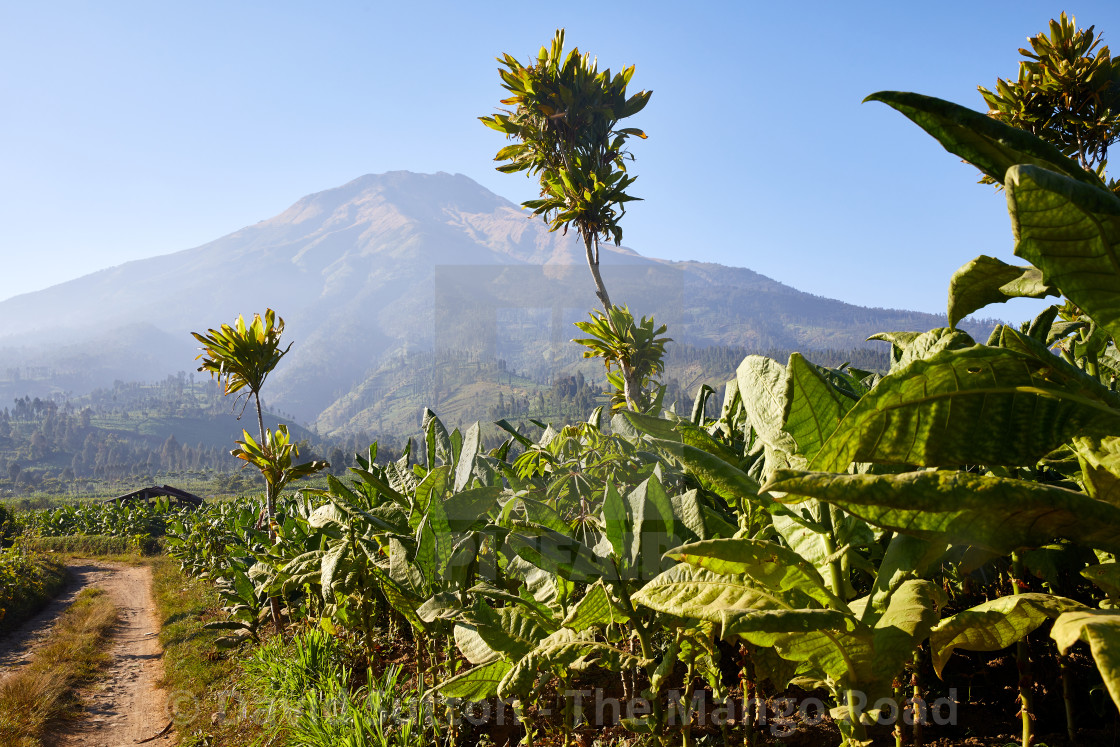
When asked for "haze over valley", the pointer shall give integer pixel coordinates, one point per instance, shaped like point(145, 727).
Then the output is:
point(379, 277)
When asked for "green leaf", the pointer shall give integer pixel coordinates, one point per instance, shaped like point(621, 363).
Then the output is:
point(995, 513)
point(563, 650)
point(558, 553)
point(634, 424)
point(813, 406)
point(989, 145)
point(652, 515)
point(713, 473)
point(437, 440)
point(476, 684)
point(398, 599)
point(540, 612)
point(929, 344)
point(759, 626)
point(1071, 231)
point(987, 280)
point(1101, 630)
point(977, 405)
point(471, 645)
point(1106, 576)
point(689, 514)
point(830, 656)
point(616, 521)
point(905, 558)
point(470, 507)
point(515, 633)
point(1100, 466)
point(914, 608)
point(441, 606)
point(767, 564)
point(994, 625)
point(330, 564)
point(688, 591)
point(595, 610)
point(763, 384)
point(472, 440)
point(378, 484)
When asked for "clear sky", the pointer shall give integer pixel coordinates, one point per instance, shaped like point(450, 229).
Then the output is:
point(132, 129)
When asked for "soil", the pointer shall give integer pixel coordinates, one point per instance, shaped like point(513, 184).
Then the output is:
point(125, 705)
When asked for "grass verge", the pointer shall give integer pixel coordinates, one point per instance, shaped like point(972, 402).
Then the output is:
point(27, 582)
point(200, 680)
point(43, 690)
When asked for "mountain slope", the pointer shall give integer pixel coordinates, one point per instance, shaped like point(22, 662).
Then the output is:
point(398, 262)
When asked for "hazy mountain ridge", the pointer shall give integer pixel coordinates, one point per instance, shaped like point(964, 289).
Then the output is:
point(397, 262)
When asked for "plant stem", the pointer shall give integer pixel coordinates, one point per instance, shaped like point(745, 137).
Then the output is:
point(899, 698)
point(916, 696)
point(1067, 696)
point(686, 726)
point(591, 244)
point(631, 388)
point(270, 508)
point(1022, 658)
point(747, 681)
point(836, 579)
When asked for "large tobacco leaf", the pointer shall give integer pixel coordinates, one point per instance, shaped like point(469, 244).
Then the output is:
point(839, 650)
point(478, 683)
point(557, 553)
point(813, 406)
point(564, 650)
point(987, 280)
point(986, 143)
point(1100, 466)
point(596, 609)
point(766, 563)
point(994, 625)
point(632, 425)
point(975, 405)
point(1071, 231)
point(763, 385)
point(688, 591)
point(995, 513)
point(1101, 630)
point(715, 474)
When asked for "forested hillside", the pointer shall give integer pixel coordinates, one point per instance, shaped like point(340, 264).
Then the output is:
point(119, 437)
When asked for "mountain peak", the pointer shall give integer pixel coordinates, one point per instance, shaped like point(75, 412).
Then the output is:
point(415, 196)
point(395, 260)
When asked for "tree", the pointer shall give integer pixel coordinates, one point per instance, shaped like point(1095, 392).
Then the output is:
point(1067, 93)
point(243, 356)
point(338, 461)
point(566, 120)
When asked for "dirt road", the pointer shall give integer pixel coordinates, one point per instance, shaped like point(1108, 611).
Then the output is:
point(125, 705)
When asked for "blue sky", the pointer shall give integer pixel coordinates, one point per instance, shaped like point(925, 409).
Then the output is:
point(137, 129)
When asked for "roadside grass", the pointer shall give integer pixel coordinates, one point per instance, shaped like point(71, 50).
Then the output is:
point(27, 582)
point(33, 696)
point(200, 679)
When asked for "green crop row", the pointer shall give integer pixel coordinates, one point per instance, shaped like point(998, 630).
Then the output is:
point(832, 528)
point(27, 582)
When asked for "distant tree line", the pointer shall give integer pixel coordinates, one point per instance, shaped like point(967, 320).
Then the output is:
point(52, 444)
